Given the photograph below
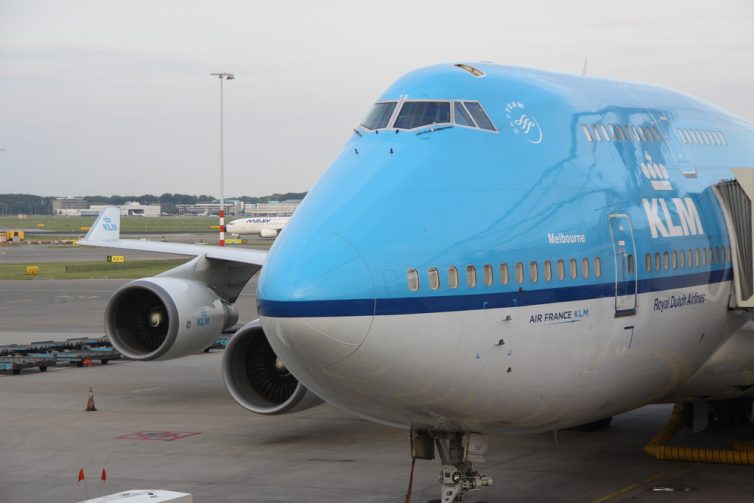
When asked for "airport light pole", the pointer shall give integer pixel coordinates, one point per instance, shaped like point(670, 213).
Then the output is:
point(222, 76)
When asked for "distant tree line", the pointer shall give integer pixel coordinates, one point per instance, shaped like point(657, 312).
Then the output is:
point(29, 204)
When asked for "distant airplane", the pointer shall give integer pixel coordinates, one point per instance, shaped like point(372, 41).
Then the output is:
point(266, 227)
point(495, 250)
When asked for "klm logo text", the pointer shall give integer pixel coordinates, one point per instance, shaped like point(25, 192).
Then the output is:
point(682, 220)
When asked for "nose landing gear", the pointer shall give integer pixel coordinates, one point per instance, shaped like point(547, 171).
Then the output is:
point(457, 451)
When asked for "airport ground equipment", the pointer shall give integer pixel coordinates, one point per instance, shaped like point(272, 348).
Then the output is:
point(80, 357)
point(16, 364)
point(43, 354)
point(659, 447)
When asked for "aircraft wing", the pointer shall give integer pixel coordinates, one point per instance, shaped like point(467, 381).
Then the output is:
point(105, 232)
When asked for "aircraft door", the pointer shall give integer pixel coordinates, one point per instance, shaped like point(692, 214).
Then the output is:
point(624, 260)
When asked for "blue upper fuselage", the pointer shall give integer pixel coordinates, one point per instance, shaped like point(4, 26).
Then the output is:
point(541, 187)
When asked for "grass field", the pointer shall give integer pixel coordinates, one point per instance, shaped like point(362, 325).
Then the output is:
point(90, 270)
point(132, 225)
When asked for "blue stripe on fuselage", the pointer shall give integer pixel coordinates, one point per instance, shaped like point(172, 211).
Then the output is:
point(471, 302)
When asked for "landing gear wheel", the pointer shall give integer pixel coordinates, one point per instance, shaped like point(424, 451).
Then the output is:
point(457, 451)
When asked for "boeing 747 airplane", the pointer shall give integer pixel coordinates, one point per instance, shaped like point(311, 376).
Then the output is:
point(266, 227)
point(495, 250)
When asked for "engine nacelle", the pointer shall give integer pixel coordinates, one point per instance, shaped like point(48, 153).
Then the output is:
point(258, 380)
point(162, 317)
point(268, 233)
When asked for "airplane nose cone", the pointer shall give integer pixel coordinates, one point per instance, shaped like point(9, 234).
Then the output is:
point(316, 298)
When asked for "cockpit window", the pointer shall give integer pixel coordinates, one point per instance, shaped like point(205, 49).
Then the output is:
point(379, 115)
point(410, 114)
point(416, 114)
point(476, 111)
point(462, 117)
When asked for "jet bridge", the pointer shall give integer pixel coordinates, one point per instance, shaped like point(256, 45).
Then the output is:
point(735, 197)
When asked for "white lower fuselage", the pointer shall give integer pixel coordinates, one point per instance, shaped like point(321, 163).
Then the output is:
point(539, 367)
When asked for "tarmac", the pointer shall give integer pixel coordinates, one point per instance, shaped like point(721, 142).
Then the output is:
point(172, 425)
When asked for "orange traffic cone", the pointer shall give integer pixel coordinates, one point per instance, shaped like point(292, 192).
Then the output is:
point(90, 402)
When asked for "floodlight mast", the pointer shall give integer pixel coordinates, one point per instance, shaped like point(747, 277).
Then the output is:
point(222, 76)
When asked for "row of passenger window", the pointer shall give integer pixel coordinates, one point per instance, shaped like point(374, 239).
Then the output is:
point(683, 259)
point(504, 275)
point(677, 259)
point(617, 132)
point(419, 113)
point(701, 137)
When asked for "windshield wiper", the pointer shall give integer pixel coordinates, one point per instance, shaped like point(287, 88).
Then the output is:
point(433, 129)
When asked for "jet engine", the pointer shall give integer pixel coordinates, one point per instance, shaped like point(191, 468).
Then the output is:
point(258, 380)
point(268, 233)
point(165, 317)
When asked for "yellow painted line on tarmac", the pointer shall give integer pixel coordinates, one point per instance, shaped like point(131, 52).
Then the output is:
point(635, 485)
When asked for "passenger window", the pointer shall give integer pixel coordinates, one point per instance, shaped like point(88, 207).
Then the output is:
point(630, 264)
point(722, 254)
point(698, 136)
point(434, 278)
point(519, 272)
point(452, 277)
point(379, 115)
point(646, 134)
point(638, 134)
point(588, 135)
point(665, 261)
point(533, 272)
point(648, 260)
point(682, 257)
point(477, 112)
point(471, 276)
point(611, 129)
point(682, 136)
point(675, 260)
point(504, 274)
point(462, 117)
point(605, 134)
point(658, 138)
point(585, 267)
point(657, 261)
point(704, 256)
point(488, 276)
point(561, 270)
point(574, 268)
point(596, 133)
point(413, 279)
point(416, 114)
point(597, 267)
point(697, 257)
point(689, 258)
point(548, 270)
point(712, 256)
point(629, 132)
point(621, 135)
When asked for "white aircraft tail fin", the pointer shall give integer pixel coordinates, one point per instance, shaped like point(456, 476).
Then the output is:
point(106, 227)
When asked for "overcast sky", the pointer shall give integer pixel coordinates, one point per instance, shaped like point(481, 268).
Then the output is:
point(115, 97)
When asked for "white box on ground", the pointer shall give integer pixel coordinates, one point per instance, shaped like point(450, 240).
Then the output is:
point(144, 496)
